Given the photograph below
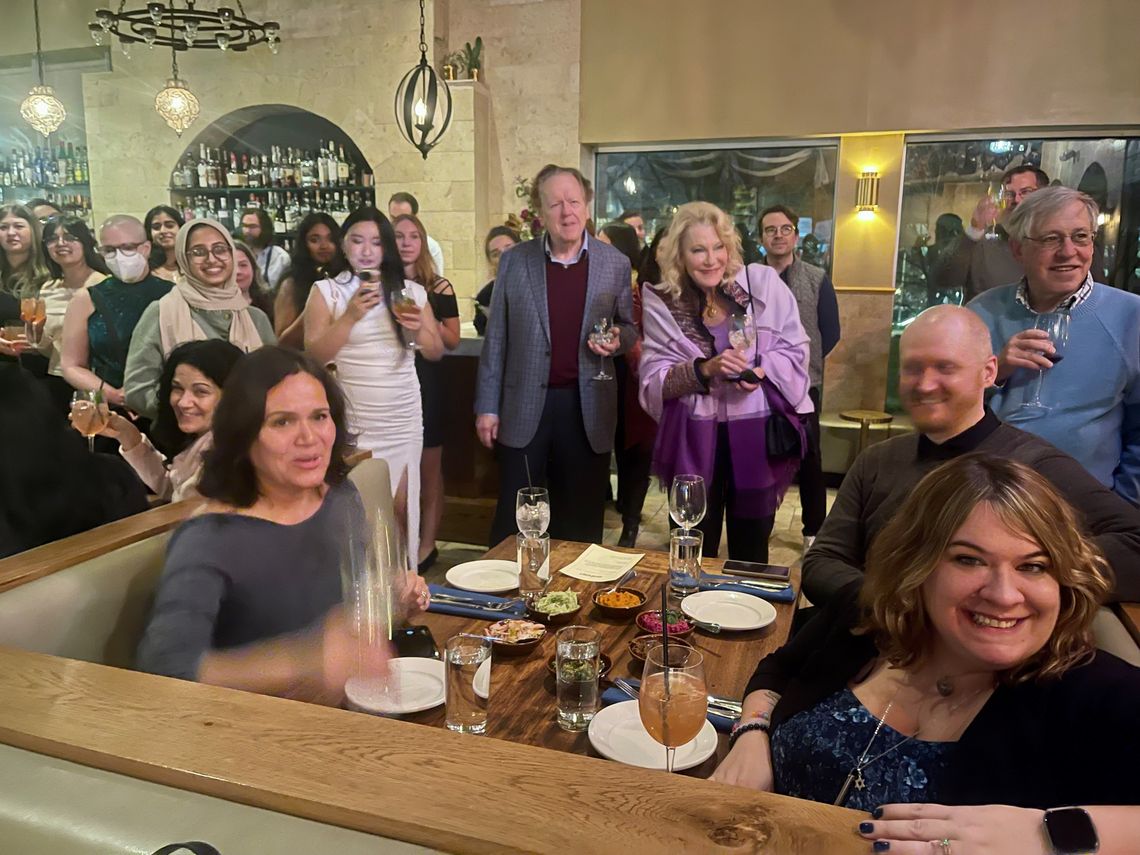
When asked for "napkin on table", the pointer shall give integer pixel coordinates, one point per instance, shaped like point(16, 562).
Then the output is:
point(787, 595)
point(516, 611)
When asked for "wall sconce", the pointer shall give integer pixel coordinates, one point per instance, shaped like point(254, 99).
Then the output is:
point(867, 193)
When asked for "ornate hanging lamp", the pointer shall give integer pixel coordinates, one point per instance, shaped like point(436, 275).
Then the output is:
point(41, 109)
point(177, 105)
point(423, 101)
point(190, 28)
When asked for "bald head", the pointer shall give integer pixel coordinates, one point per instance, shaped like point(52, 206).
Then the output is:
point(946, 363)
point(124, 227)
point(955, 328)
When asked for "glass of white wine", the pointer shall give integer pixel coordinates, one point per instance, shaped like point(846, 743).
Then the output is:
point(602, 334)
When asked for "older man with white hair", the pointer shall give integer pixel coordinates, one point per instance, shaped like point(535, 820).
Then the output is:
point(1080, 391)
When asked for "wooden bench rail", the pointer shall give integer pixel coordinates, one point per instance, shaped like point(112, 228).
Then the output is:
point(429, 786)
point(58, 555)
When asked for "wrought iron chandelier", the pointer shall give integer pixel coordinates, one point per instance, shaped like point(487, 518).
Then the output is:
point(423, 101)
point(177, 105)
point(41, 109)
point(184, 27)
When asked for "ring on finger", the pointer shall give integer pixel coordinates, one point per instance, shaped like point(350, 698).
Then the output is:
point(943, 846)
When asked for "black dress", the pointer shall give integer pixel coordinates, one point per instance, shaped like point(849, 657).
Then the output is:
point(444, 306)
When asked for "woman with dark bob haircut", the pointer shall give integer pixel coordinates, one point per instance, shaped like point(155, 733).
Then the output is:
point(188, 394)
point(958, 697)
point(250, 594)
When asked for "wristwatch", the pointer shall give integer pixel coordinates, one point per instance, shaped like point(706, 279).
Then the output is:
point(1070, 831)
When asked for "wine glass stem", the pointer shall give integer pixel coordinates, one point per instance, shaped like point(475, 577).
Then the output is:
point(669, 755)
point(91, 444)
point(1036, 401)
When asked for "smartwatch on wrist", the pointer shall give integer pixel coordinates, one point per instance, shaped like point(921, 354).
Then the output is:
point(1070, 831)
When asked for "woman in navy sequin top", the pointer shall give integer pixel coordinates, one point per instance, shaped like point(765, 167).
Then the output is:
point(962, 674)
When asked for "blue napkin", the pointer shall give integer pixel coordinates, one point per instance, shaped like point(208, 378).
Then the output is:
point(788, 595)
point(516, 611)
point(614, 695)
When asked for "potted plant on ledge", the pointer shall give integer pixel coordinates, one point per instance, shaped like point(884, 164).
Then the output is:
point(453, 65)
point(473, 58)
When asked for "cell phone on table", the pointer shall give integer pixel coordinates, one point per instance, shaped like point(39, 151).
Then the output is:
point(415, 641)
point(757, 570)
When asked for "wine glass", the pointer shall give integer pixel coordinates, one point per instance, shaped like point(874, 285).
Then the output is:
point(89, 415)
point(673, 699)
point(532, 511)
point(405, 300)
point(602, 334)
point(1057, 325)
point(687, 501)
point(1000, 199)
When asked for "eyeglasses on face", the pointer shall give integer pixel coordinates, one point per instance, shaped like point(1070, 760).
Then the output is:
point(121, 249)
point(218, 250)
point(61, 237)
point(785, 229)
point(1055, 240)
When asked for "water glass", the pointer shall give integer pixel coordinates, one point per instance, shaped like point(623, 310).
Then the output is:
point(532, 510)
point(687, 501)
point(534, 565)
point(576, 670)
point(463, 656)
point(685, 548)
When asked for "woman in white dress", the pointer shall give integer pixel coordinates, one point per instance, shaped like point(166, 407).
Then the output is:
point(361, 321)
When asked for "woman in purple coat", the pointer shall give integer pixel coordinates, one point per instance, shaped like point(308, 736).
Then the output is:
point(713, 401)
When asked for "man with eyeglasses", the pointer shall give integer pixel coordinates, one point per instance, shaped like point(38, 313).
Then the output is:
point(819, 314)
point(982, 259)
point(1081, 393)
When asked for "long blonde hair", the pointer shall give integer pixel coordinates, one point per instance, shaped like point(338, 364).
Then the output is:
point(28, 279)
point(673, 273)
point(912, 544)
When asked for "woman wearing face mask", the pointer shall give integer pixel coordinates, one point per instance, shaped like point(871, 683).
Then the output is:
point(316, 255)
point(162, 224)
point(358, 321)
point(498, 241)
point(411, 238)
point(249, 279)
point(188, 394)
point(205, 303)
point(99, 321)
point(22, 269)
point(75, 265)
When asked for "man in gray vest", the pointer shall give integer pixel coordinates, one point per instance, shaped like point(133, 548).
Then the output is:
point(819, 314)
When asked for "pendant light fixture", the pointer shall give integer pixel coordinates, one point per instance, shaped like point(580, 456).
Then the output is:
point(41, 109)
point(177, 105)
point(423, 101)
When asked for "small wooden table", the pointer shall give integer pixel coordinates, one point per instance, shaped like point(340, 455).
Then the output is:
point(522, 706)
point(866, 418)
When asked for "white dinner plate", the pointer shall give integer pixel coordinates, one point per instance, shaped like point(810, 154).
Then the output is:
point(616, 732)
point(482, 683)
point(734, 611)
point(486, 576)
point(414, 684)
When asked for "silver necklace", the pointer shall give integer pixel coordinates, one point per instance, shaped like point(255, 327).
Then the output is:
point(855, 776)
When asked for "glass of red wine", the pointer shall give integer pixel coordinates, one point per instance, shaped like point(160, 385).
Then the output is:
point(1057, 325)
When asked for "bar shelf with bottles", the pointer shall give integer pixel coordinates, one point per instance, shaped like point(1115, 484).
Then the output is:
point(57, 173)
point(287, 182)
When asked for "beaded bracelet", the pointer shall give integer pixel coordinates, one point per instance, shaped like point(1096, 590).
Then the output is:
point(739, 730)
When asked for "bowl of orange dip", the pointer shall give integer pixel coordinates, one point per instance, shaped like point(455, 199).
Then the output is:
point(621, 604)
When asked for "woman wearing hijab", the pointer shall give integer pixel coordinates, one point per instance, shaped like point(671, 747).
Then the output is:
point(205, 303)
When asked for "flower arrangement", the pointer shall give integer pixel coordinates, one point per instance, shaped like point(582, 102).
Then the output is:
point(526, 222)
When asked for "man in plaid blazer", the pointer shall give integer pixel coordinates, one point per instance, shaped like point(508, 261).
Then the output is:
point(537, 401)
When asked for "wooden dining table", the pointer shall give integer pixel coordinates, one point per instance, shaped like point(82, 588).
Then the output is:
point(522, 705)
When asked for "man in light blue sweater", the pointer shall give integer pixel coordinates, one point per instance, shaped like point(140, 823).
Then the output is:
point(1090, 386)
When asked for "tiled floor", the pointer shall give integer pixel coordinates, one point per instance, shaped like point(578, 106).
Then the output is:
point(785, 547)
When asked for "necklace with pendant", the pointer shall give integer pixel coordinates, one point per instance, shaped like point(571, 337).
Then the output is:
point(855, 776)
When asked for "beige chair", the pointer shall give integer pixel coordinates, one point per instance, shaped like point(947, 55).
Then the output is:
point(374, 483)
point(1111, 636)
point(95, 610)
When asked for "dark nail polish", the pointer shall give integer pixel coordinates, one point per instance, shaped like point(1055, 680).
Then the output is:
point(866, 827)
point(877, 813)
point(881, 845)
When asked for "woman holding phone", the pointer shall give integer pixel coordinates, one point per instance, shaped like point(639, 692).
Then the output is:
point(370, 321)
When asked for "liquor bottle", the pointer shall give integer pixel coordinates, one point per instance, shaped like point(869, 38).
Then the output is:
point(278, 213)
point(322, 176)
point(213, 168)
point(63, 174)
point(84, 173)
point(292, 212)
point(71, 163)
point(308, 170)
point(224, 214)
point(343, 176)
point(253, 174)
point(233, 179)
point(297, 159)
point(176, 177)
point(189, 173)
point(339, 210)
point(203, 167)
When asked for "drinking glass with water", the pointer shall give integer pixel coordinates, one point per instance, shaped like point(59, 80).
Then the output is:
point(532, 510)
point(685, 547)
point(467, 686)
point(576, 670)
point(534, 565)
